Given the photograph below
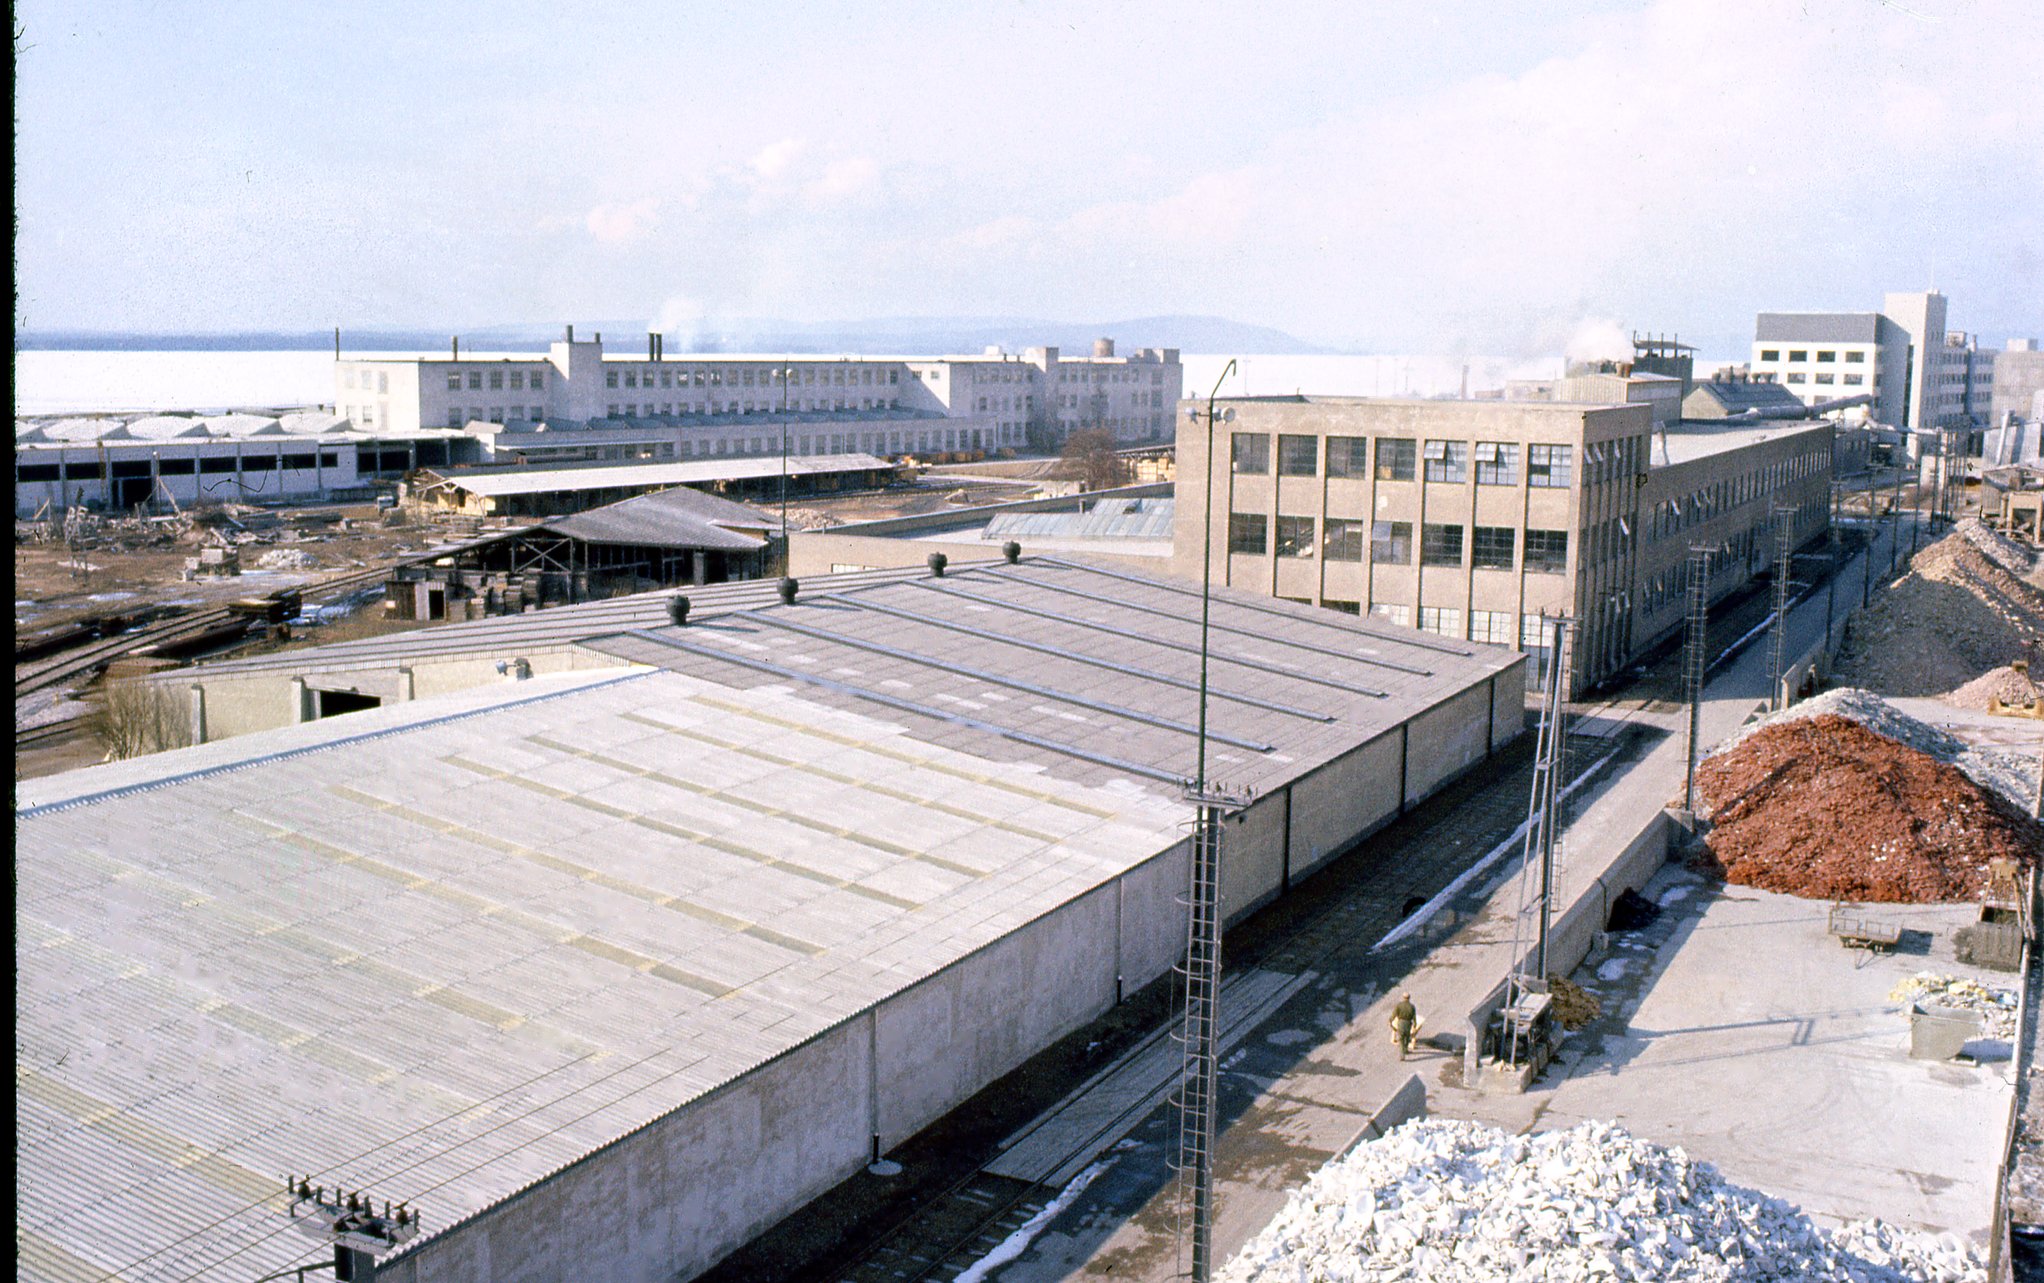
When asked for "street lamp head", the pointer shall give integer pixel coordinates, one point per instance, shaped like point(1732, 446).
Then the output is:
point(1192, 413)
point(1228, 415)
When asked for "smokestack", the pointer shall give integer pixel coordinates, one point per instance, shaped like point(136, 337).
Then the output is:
point(1103, 347)
point(337, 343)
point(571, 334)
point(457, 347)
point(652, 346)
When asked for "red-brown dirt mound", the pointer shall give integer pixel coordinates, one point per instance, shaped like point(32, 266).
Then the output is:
point(1824, 808)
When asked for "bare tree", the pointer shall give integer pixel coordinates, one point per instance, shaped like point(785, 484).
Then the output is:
point(137, 717)
point(1089, 457)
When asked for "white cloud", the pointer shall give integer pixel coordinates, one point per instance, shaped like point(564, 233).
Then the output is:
point(852, 176)
point(773, 161)
point(622, 223)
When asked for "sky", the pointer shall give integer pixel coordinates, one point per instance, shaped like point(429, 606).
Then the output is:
point(1442, 176)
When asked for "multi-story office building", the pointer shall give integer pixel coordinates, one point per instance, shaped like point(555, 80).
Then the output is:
point(1481, 520)
point(704, 404)
point(1922, 376)
point(2018, 382)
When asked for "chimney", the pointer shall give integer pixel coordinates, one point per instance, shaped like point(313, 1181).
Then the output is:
point(789, 587)
point(571, 334)
point(1011, 550)
point(937, 563)
point(457, 347)
point(677, 609)
point(652, 346)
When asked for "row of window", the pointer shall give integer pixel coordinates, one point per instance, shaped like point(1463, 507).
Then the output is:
point(1398, 459)
point(380, 379)
point(458, 417)
point(1534, 631)
point(497, 378)
point(1803, 354)
point(648, 409)
point(1670, 516)
point(206, 465)
point(750, 376)
point(1390, 542)
point(1850, 380)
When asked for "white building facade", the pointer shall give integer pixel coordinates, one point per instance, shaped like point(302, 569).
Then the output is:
point(1921, 375)
point(994, 401)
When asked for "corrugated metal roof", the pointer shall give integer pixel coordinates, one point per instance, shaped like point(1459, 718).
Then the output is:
point(1104, 519)
point(682, 517)
point(606, 477)
point(441, 949)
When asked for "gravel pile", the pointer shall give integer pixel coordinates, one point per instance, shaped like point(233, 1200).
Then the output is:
point(2011, 774)
point(1959, 611)
point(1824, 808)
point(1999, 1006)
point(2010, 687)
point(1443, 1201)
point(1996, 546)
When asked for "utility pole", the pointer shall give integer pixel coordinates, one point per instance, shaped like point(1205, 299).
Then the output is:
point(1694, 663)
point(349, 1220)
point(1199, 1072)
point(1784, 560)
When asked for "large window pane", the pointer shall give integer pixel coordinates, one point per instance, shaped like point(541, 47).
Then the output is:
point(1343, 540)
point(1248, 532)
point(1492, 546)
point(1447, 460)
point(1440, 545)
point(1298, 456)
point(1391, 543)
point(1396, 458)
point(1497, 463)
point(1547, 550)
point(1348, 456)
point(1252, 453)
point(1548, 466)
point(1295, 536)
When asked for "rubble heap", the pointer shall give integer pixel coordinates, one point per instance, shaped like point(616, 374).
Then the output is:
point(2009, 773)
point(1999, 1006)
point(1439, 1200)
point(1825, 808)
point(1574, 1005)
point(2010, 686)
point(1969, 602)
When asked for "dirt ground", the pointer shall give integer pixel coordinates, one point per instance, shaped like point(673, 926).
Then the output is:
point(936, 494)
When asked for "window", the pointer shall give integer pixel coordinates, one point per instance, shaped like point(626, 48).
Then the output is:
point(1536, 632)
point(1252, 453)
point(178, 467)
point(1440, 545)
point(1348, 456)
point(1248, 532)
point(1854, 380)
point(1400, 615)
point(1548, 466)
point(1795, 378)
point(517, 379)
point(1770, 354)
point(1493, 626)
point(1345, 607)
point(475, 380)
point(1799, 354)
point(1447, 460)
point(1827, 357)
point(1396, 458)
point(1298, 456)
point(29, 472)
point(1855, 358)
point(1497, 463)
point(1547, 550)
point(610, 378)
point(1491, 547)
point(496, 380)
point(1343, 540)
point(1445, 620)
point(1295, 536)
point(453, 380)
point(1827, 378)
point(454, 417)
point(1391, 543)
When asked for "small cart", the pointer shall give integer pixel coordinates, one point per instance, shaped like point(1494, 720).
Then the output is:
point(1858, 929)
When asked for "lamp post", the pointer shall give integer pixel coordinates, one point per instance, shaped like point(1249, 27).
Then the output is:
point(1206, 563)
point(785, 375)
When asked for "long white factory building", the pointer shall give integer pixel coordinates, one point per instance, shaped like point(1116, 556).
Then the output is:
point(606, 970)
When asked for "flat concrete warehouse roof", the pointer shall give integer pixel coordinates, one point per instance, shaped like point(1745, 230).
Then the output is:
point(605, 972)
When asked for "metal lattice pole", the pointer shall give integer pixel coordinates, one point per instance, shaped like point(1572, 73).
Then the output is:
point(1694, 664)
point(1199, 1073)
point(1784, 560)
point(1536, 865)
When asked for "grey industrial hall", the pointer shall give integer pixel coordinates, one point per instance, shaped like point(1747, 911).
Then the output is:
point(606, 970)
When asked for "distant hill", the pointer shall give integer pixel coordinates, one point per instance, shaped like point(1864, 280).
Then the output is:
point(908, 335)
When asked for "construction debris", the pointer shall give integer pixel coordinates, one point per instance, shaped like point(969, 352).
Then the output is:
point(1573, 1005)
point(1972, 601)
point(1824, 808)
point(1998, 1006)
point(1998, 689)
point(288, 559)
point(1439, 1199)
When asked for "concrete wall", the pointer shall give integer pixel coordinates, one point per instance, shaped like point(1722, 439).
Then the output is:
point(674, 1197)
point(1446, 740)
point(1355, 794)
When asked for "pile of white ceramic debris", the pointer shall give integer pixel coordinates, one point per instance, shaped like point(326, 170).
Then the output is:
point(1443, 1201)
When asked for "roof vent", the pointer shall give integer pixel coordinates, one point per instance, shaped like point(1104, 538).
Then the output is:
point(1012, 551)
point(789, 587)
point(677, 609)
point(937, 563)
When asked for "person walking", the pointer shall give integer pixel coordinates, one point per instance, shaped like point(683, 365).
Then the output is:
point(1405, 1024)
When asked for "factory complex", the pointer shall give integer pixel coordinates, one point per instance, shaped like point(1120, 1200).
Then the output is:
point(621, 930)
